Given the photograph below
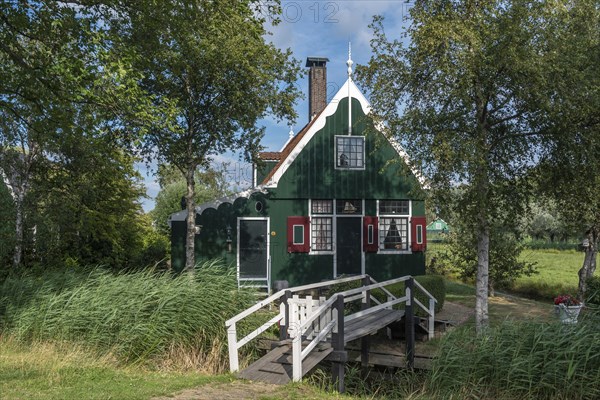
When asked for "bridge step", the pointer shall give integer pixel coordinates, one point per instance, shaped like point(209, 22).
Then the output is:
point(276, 366)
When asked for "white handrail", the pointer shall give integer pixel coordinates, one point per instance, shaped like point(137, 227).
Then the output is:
point(324, 332)
point(254, 308)
point(424, 290)
point(234, 344)
point(296, 332)
point(383, 289)
point(279, 294)
point(260, 330)
point(317, 313)
point(350, 292)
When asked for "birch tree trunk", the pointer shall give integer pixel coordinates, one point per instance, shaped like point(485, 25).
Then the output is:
point(19, 230)
point(190, 260)
point(17, 188)
point(482, 280)
point(589, 262)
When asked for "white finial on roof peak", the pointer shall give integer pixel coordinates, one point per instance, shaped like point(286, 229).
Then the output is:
point(349, 62)
point(291, 134)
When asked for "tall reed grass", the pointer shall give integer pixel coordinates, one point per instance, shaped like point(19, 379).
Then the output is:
point(520, 360)
point(139, 317)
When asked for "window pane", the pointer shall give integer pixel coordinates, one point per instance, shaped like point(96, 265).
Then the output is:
point(322, 206)
point(298, 234)
point(350, 151)
point(393, 233)
point(394, 207)
point(322, 234)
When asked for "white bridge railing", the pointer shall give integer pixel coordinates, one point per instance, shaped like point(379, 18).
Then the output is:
point(320, 319)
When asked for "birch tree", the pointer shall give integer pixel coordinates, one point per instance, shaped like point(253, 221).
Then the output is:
point(466, 91)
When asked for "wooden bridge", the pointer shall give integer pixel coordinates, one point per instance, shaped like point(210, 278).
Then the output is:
point(316, 329)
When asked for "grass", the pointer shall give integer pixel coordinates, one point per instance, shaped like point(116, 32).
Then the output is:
point(63, 371)
point(519, 360)
point(134, 325)
point(140, 317)
point(557, 273)
point(55, 371)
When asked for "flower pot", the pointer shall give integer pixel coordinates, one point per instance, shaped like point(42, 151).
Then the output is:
point(567, 314)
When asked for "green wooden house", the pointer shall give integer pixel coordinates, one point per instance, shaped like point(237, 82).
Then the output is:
point(437, 230)
point(334, 201)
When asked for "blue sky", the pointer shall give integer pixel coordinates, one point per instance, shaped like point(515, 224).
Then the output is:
point(313, 28)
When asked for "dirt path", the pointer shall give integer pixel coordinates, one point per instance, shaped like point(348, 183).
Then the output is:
point(236, 390)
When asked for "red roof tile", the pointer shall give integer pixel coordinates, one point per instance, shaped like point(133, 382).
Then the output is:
point(270, 155)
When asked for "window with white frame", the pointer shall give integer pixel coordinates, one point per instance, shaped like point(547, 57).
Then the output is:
point(350, 152)
point(321, 225)
point(393, 225)
point(322, 233)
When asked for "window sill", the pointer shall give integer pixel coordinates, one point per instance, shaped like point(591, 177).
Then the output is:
point(380, 251)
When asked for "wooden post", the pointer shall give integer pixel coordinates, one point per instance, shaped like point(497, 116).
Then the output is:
point(364, 341)
point(337, 341)
point(297, 355)
point(431, 324)
point(233, 349)
point(283, 327)
point(409, 324)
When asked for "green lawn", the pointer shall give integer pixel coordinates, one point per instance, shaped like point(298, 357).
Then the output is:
point(557, 273)
point(46, 371)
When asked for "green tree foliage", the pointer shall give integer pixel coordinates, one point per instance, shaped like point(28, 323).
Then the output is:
point(568, 171)
point(211, 62)
point(87, 205)
point(504, 263)
point(211, 185)
point(61, 78)
point(545, 221)
point(468, 97)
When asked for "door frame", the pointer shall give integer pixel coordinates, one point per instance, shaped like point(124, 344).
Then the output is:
point(267, 278)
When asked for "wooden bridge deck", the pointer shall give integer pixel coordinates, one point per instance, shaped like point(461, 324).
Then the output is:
point(276, 366)
point(370, 323)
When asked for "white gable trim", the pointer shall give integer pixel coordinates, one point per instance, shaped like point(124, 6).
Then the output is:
point(348, 90)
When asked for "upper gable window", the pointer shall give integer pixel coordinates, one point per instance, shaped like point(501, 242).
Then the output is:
point(350, 152)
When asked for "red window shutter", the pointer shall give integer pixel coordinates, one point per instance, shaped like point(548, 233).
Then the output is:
point(418, 234)
point(370, 234)
point(298, 234)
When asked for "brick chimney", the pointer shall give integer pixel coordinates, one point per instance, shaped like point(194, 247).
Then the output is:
point(317, 85)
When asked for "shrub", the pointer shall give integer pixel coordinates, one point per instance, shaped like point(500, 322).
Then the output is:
point(434, 284)
point(520, 360)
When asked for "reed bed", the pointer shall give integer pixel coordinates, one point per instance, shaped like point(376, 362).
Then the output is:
point(138, 317)
point(520, 360)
